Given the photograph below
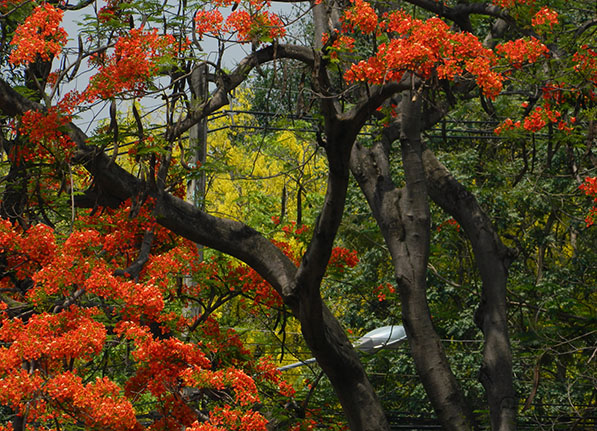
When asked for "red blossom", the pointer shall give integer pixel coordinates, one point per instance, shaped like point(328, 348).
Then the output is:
point(136, 58)
point(72, 333)
point(590, 189)
point(341, 44)
point(586, 63)
point(520, 51)
point(40, 36)
point(545, 16)
point(554, 92)
point(507, 124)
point(540, 117)
point(383, 291)
point(342, 258)
point(208, 21)
point(425, 47)
point(260, 26)
point(26, 252)
point(98, 404)
point(360, 16)
point(449, 222)
point(45, 136)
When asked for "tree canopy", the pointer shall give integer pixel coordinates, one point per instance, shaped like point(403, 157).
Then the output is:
point(194, 193)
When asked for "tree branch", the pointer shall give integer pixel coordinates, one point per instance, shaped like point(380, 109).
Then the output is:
point(228, 236)
point(227, 83)
point(135, 268)
point(460, 13)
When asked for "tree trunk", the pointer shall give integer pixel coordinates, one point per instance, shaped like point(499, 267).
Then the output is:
point(321, 330)
point(340, 362)
point(403, 217)
point(493, 260)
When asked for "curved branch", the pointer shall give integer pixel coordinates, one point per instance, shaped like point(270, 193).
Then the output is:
point(133, 270)
point(461, 12)
point(340, 137)
point(228, 236)
point(229, 82)
point(231, 237)
point(585, 26)
point(81, 5)
point(13, 103)
point(365, 108)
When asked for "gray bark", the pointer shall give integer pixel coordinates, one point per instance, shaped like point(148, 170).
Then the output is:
point(403, 217)
point(492, 259)
point(371, 168)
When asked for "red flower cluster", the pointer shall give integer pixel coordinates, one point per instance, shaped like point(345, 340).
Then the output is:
point(545, 16)
point(590, 188)
point(162, 363)
point(260, 26)
point(231, 420)
point(537, 120)
point(520, 51)
point(135, 60)
point(46, 140)
point(383, 291)
point(208, 21)
point(40, 36)
point(507, 124)
point(51, 340)
point(26, 252)
point(555, 92)
point(586, 63)
point(422, 47)
point(267, 371)
point(450, 222)
point(343, 258)
point(340, 44)
point(99, 404)
point(360, 16)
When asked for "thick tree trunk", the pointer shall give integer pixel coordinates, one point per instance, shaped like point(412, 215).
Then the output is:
point(340, 362)
point(493, 259)
point(321, 330)
point(403, 217)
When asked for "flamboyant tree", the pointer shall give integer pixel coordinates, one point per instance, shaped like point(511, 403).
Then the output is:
point(94, 326)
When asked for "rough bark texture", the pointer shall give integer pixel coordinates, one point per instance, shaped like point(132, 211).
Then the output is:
point(321, 330)
point(403, 217)
point(492, 259)
point(370, 167)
